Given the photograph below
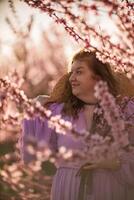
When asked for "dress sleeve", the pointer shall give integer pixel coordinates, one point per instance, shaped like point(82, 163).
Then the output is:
point(28, 132)
point(125, 174)
point(37, 130)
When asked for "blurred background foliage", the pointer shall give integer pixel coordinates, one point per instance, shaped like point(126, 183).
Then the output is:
point(37, 50)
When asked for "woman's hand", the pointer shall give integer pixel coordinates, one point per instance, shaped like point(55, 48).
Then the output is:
point(112, 164)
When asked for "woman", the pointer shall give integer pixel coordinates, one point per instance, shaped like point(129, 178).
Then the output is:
point(73, 98)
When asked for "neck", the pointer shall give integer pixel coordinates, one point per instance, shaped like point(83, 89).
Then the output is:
point(90, 102)
point(89, 99)
point(89, 106)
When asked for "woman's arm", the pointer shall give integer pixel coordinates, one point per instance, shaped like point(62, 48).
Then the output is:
point(28, 134)
point(36, 130)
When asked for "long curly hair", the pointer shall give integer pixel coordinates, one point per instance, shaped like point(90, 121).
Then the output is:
point(62, 92)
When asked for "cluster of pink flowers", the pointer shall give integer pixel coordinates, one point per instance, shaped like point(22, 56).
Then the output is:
point(11, 91)
point(112, 114)
point(96, 147)
point(107, 51)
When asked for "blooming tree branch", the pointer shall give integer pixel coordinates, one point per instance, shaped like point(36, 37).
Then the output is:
point(107, 51)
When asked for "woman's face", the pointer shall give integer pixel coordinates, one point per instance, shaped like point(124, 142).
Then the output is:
point(82, 81)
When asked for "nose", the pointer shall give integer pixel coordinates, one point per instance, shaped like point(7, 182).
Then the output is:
point(72, 77)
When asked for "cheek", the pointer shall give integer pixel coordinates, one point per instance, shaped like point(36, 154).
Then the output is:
point(89, 83)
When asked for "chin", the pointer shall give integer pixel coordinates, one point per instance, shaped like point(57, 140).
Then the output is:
point(74, 91)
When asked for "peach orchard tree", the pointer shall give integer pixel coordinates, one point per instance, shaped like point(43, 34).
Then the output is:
point(81, 21)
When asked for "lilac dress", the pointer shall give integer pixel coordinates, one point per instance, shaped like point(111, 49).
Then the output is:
point(106, 184)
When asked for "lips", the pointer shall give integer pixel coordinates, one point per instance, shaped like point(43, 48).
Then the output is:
point(75, 85)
